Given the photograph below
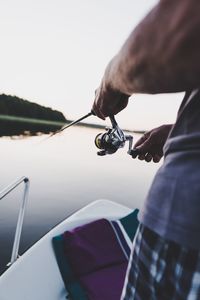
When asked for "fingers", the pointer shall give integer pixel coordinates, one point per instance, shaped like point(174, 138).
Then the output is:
point(108, 102)
point(97, 111)
point(156, 158)
point(148, 149)
point(149, 157)
point(108, 109)
point(96, 108)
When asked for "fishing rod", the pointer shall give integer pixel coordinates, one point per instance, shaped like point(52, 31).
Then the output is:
point(72, 123)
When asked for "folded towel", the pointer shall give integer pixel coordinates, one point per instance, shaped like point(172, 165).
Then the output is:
point(93, 258)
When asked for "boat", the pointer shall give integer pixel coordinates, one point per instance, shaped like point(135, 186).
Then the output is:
point(35, 275)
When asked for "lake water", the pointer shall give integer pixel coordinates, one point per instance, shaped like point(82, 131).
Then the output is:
point(65, 174)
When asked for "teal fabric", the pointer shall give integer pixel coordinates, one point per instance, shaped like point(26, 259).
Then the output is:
point(130, 223)
point(71, 282)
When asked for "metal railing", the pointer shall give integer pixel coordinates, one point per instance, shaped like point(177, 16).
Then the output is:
point(20, 219)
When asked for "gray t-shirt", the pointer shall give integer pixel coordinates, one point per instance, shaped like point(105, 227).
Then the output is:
point(172, 207)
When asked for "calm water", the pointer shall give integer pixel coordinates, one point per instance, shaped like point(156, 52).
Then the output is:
point(65, 174)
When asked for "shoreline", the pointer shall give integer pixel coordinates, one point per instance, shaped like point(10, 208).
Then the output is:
point(59, 124)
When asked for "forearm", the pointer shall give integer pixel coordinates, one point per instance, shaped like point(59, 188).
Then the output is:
point(162, 53)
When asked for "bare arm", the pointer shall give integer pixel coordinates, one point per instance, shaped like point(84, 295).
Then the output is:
point(161, 55)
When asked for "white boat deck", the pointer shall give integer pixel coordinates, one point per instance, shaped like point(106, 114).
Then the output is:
point(35, 275)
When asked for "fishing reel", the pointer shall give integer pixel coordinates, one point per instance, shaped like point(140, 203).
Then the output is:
point(113, 139)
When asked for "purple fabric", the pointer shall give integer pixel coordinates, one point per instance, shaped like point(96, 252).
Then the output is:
point(105, 284)
point(97, 259)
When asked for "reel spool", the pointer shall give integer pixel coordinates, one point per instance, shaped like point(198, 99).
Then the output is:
point(109, 142)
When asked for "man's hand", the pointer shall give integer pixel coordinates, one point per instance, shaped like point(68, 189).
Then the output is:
point(109, 98)
point(150, 145)
point(108, 102)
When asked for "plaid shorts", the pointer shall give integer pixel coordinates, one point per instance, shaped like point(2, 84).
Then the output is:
point(161, 270)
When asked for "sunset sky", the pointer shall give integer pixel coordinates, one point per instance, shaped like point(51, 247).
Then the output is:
point(55, 52)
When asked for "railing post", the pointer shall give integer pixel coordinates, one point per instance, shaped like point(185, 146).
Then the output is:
point(20, 219)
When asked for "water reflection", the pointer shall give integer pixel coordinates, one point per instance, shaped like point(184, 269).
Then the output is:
point(23, 127)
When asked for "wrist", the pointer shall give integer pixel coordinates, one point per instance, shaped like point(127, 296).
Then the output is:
point(166, 130)
point(112, 79)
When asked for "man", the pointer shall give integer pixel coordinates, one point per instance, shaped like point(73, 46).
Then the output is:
point(162, 56)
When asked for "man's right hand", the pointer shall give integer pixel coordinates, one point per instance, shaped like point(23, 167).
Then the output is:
point(151, 144)
point(108, 102)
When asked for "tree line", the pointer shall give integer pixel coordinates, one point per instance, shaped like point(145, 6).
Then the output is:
point(21, 113)
point(12, 105)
